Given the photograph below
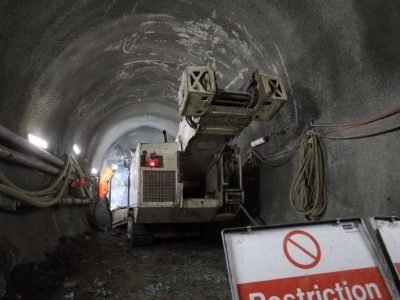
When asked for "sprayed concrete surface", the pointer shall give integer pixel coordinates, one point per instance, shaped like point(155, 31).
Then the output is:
point(104, 74)
point(97, 73)
point(101, 266)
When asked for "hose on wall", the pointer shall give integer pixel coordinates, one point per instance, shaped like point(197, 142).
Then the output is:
point(49, 196)
point(48, 191)
point(41, 201)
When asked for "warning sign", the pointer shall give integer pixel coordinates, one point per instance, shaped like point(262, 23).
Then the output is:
point(302, 249)
point(317, 261)
point(389, 231)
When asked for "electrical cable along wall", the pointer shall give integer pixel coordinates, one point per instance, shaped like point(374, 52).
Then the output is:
point(307, 192)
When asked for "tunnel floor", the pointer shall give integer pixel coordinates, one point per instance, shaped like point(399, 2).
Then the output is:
point(102, 266)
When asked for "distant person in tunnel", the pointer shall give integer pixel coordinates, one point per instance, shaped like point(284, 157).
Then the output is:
point(104, 181)
point(103, 216)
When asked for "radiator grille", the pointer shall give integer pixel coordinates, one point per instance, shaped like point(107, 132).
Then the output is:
point(159, 186)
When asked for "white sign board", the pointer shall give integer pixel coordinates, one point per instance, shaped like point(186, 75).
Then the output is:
point(389, 231)
point(303, 262)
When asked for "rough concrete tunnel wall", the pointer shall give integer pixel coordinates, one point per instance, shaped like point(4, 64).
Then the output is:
point(78, 71)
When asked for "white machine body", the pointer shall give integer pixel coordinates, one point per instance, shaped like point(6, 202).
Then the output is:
point(198, 177)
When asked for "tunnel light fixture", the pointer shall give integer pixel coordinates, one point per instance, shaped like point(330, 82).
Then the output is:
point(76, 149)
point(259, 142)
point(37, 141)
point(114, 167)
point(94, 171)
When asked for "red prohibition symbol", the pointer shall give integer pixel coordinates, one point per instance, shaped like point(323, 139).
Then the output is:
point(312, 253)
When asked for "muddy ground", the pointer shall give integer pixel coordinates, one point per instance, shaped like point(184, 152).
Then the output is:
point(102, 266)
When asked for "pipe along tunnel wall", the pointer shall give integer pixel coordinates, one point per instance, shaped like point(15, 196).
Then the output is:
point(93, 72)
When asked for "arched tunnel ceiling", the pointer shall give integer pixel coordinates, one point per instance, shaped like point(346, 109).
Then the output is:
point(121, 73)
point(89, 72)
point(120, 150)
point(114, 134)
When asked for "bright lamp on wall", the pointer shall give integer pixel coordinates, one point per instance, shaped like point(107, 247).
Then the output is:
point(76, 149)
point(37, 141)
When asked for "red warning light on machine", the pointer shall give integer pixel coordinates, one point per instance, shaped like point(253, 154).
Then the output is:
point(153, 163)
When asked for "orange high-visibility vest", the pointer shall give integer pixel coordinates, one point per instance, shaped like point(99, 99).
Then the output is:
point(103, 182)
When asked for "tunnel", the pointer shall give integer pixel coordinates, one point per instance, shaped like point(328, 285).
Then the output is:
point(105, 75)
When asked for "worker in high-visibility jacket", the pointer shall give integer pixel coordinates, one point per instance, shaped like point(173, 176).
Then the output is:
point(102, 213)
point(104, 180)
